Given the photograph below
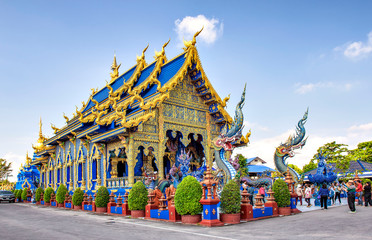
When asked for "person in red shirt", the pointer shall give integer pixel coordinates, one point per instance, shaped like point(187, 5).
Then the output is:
point(359, 190)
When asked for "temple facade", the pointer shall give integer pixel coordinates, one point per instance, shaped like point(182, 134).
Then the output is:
point(136, 126)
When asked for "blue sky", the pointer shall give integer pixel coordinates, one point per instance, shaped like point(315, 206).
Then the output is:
point(291, 54)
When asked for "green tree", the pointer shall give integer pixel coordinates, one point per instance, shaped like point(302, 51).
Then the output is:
point(335, 153)
point(5, 168)
point(362, 152)
point(310, 166)
point(297, 169)
point(243, 165)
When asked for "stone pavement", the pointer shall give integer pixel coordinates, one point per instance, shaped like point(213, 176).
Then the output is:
point(27, 221)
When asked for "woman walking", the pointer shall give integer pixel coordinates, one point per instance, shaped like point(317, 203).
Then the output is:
point(351, 195)
point(308, 195)
point(324, 194)
point(338, 192)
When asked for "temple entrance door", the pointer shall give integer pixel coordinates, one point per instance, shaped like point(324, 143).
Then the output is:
point(122, 168)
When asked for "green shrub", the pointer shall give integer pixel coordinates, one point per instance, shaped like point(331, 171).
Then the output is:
point(137, 198)
point(230, 198)
point(281, 193)
point(47, 194)
point(187, 197)
point(103, 197)
point(19, 194)
point(61, 194)
point(78, 197)
point(39, 190)
point(24, 194)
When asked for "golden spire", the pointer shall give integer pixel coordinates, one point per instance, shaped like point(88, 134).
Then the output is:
point(40, 130)
point(115, 69)
point(28, 160)
point(162, 52)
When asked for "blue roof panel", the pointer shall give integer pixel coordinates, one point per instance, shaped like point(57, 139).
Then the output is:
point(170, 69)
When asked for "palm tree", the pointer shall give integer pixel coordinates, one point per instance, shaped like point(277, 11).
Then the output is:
point(5, 168)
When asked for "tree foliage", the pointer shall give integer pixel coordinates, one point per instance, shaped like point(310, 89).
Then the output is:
point(61, 194)
point(103, 197)
point(242, 165)
point(47, 195)
point(137, 198)
point(230, 198)
point(362, 152)
point(5, 168)
point(39, 190)
point(310, 166)
point(78, 197)
point(24, 194)
point(187, 197)
point(336, 153)
point(281, 193)
point(297, 169)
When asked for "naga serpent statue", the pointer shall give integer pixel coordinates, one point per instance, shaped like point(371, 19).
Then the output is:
point(286, 149)
point(225, 142)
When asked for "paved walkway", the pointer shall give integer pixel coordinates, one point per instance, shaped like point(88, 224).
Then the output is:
point(27, 221)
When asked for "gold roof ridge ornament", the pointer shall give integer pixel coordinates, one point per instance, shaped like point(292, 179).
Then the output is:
point(39, 146)
point(55, 129)
point(115, 69)
point(188, 44)
point(142, 58)
point(65, 117)
point(162, 52)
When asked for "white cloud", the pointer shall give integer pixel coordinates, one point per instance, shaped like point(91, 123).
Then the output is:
point(309, 87)
point(357, 50)
point(250, 125)
point(16, 161)
point(265, 148)
point(362, 127)
point(188, 26)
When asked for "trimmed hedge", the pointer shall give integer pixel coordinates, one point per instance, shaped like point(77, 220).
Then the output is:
point(137, 198)
point(78, 197)
point(281, 193)
point(230, 198)
point(61, 194)
point(187, 197)
point(19, 194)
point(24, 194)
point(38, 192)
point(47, 195)
point(102, 197)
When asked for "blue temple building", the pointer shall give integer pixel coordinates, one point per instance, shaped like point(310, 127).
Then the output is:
point(28, 176)
point(135, 126)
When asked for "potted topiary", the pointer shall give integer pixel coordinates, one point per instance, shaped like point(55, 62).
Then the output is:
point(77, 199)
point(137, 200)
point(282, 197)
point(230, 203)
point(61, 195)
point(39, 190)
point(186, 200)
point(19, 195)
point(102, 198)
point(24, 195)
point(47, 196)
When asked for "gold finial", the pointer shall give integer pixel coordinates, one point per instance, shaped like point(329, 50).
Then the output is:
point(40, 130)
point(115, 69)
point(162, 52)
point(67, 119)
point(28, 160)
point(193, 41)
point(143, 54)
point(54, 128)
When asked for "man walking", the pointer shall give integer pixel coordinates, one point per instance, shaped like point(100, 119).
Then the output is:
point(351, 195)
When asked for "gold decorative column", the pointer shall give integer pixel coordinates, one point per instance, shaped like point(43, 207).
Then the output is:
point(131, 161)
point(161, 147)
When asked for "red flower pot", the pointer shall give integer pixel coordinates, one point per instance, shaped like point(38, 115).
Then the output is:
point(38, 203)
point(285, 211)
point(77, 207)
point(137, 213)
point(230, 218)
point(46, 203)
point(60, 205)
point(101, 209)
point(191, 219)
